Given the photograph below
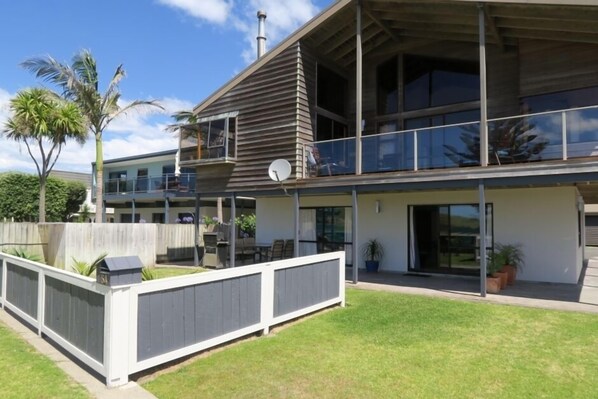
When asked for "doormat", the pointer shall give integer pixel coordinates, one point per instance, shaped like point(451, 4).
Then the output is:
point(416, 275)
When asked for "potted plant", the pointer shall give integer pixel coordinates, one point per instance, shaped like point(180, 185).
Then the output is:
point(512, 259)
point(373, 252)
point(493, 282)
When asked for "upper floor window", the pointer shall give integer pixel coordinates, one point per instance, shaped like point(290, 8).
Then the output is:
point(214, 137)
point(561, 100)
point(388, 87)
point(332, 89)
point(431, 82)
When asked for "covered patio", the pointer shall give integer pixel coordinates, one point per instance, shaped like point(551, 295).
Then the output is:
point(580, 297)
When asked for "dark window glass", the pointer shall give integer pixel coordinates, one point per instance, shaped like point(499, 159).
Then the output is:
point(331, 91)
point(444, 119)
point(433, 82)
point(167, 169)
point(126, 218)
point(388, 93)
point(328, 129)
point(561, 100)
point(157, 218)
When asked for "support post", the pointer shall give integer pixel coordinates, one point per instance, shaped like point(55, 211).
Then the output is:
point(564, 134)
point(117, 325)
point(483, 95)
point(232, 244)
point(133, 209)
point(103, 213)
point(358, 90)
point(355, 235)
point(166, 210)
point(296, 223)
point(196, 232)
point(41, 291)
point(4, 276)
point(482, 222)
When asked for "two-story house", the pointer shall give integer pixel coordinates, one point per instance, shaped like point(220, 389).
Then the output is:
point(434, 126)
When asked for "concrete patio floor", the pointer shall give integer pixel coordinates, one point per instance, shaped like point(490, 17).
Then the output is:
point(582, 297)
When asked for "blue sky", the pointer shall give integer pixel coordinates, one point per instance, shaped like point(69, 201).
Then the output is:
point(175, 51)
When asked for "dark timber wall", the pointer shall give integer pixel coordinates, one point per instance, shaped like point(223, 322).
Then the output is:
point(267, 126)
point(303, 286)
point(21, 289)
point(77, 315)
point(173, 319)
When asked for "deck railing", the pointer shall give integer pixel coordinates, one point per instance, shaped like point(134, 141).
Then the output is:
point(166, 182)
point(562, 134)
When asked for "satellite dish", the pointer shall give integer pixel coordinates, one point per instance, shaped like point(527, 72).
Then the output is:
point(279, 170)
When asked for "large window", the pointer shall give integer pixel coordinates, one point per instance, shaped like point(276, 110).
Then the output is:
point(446, 238)
point(326, 229)
point(388, 87)
point(328, 128)
point(332, 89)
point(214, 137)
point(431, 82)
point(560, 100)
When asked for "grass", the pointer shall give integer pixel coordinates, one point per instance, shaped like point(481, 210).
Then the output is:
point(163, 272)
point(24, 373)
point(392, 345)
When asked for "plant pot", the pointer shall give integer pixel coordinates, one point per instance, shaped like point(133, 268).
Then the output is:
point(511, 271)
point(504, 278)
point(371, 266)
point(492, 285)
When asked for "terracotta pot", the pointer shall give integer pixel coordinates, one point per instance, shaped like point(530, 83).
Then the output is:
point(511, 271)
point(492, 285)
point(504, 277)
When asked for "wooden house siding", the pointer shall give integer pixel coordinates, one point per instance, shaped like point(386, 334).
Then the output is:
point(266, 127)
point(548, 66)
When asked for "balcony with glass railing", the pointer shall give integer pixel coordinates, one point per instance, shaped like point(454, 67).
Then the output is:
point(208, 142)
point(553, 135)
point(185, 182)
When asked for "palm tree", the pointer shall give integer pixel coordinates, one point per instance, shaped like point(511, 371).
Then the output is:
point(40, 118)
point(80, 83)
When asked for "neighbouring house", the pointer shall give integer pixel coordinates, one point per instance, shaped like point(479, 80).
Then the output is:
point(84, 178)
point(149, 188)
point(432, 126)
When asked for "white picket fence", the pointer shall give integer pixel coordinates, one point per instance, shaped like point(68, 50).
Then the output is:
point(118, 331)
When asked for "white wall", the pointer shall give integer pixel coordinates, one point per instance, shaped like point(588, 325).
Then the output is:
point(543, 220)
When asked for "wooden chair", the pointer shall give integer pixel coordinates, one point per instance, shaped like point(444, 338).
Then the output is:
point(289, 249)
point(276, 250)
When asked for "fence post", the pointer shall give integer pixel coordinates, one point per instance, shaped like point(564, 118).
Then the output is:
point(3, 288)
point(267, 308)
point(41, 292)
point(341, 278)
point(117, 335)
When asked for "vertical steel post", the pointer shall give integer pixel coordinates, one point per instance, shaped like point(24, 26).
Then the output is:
point(482, 222)
point(232, 245)
point(358, 90)
point(355, 235)
point(564, 134)
point(196, 231)
point(296, 222)
point(166, 210)
point(133, 210)
point(483, 94)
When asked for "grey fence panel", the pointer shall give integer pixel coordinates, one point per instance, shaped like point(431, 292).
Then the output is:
point(21, 289)
point(173, 319)
point(303, 286)
point(77, 315)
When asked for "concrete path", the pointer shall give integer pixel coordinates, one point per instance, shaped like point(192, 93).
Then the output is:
point(580, 297)
point(95, 387)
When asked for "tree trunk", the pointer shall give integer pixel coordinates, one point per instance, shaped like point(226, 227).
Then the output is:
point(99, 180)
point(42, 199)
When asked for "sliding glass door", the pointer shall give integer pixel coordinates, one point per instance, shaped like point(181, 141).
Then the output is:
point(325, 229)
point(446, 238)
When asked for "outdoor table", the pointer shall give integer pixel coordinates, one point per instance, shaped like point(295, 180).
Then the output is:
point(261, 251)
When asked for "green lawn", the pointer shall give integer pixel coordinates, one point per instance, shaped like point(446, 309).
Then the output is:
point(24, 373)
point(163, 272)
point(385, 345)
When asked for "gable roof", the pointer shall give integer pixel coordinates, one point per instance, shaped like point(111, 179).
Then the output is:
point(335, 9)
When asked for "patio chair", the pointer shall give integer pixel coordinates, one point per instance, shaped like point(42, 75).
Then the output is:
point(316, 165)
point(275, 252)
point(289, 249)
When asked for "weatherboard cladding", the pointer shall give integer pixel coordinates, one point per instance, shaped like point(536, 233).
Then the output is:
point(303, 286)
point(266, 130)
point(21, 290)
point(77, 315)
point(177, 318)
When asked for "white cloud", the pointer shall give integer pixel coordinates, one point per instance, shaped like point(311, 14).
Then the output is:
point(213, 11)
point(138, 132)
point(284, 16)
